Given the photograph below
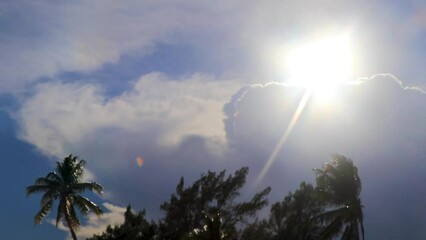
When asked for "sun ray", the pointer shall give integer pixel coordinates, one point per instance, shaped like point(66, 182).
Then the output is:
point(320, 66)
point(294, 119)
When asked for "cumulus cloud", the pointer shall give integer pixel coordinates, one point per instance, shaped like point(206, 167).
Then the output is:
point(376, 110)
point(173, 124)
point(61, 115)
point(114, 215)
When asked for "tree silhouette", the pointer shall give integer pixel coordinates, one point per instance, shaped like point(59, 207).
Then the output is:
point(64, 185)
point(213, 229)
point(292, 218)
point(135, 227)
point(212, 194)
point(208, 210)
point(259, 229)
point(339, 186)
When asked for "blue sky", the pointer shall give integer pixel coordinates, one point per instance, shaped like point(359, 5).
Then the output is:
point(192, 87)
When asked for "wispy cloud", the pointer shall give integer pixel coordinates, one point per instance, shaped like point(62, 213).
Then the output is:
point(47, 38)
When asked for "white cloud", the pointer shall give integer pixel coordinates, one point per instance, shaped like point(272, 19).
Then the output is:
point(114, 215)
point(60, 115)
point(374, 108)
point(44, 38)
point(172, 123)
point(390, 77)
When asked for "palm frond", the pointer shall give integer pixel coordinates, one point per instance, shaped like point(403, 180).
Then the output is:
point(361, 223)
point(356, 229)
point(80, 204)
point(85, 205)
point(328, 197)
point(54, 177)
point(75, 222)
point(46, 181)
point(91, 186)
point(44, 211)
point(38, 188)
point(332, 230)
point(61, 211)
point(49, 195)
point(58, 168)
point(348, 233)
point(78, 170)
point(68, 168)
point(76, 165)
point(332, 171)
point(331, 215)
point(318, 171)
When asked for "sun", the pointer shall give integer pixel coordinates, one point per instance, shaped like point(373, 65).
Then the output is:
point(321, 65)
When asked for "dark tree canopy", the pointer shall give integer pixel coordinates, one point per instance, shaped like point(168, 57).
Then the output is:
point(209, 210)
point(331, 209)
point(212, 194)
point(292, 218)
point(135, 227)
point(259, 229)
point(339, 186)
point(213, 229)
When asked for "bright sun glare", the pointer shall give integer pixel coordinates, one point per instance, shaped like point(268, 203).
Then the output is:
point(321, 65)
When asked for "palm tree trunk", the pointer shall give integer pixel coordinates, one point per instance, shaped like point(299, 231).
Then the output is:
point(74, 237)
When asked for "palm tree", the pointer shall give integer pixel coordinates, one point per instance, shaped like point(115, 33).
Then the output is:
point(340, 186)
point(292, 217)
point(65, 186)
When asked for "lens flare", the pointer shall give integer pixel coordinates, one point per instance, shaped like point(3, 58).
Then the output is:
point(139, 161)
